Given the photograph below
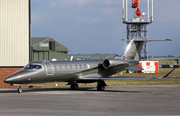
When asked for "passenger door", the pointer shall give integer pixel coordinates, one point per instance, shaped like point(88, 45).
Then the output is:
point(49, 68)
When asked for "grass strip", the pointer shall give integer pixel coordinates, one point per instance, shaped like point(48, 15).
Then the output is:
point(175, 81)
point(116, 83)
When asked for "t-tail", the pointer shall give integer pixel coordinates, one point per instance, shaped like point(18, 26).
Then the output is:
point(133, 49)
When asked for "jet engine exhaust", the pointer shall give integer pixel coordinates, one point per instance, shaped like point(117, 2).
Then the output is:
point(113, 62)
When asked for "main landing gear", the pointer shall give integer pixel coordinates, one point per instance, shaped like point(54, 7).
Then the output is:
point(74, 86)
point(101, 85)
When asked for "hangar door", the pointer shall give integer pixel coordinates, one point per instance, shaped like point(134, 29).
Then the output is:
point(35, 56)
point(40, 55)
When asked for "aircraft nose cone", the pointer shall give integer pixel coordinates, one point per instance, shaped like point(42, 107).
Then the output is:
point(14, 78)
point(18, 77)
point(6, 80)
point(9, 79)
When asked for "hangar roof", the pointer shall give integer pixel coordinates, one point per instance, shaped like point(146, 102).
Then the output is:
point(36, 40)
point(43, 43)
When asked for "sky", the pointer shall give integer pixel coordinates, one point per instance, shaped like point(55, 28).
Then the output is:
point(95, 26)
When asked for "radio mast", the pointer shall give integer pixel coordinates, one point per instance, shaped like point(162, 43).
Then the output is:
point(138, 25)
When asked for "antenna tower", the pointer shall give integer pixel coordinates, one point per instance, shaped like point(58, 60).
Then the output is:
point(137, 26)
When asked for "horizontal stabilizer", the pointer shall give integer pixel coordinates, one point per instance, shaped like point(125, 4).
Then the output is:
point(154, 40)
point(141, 40)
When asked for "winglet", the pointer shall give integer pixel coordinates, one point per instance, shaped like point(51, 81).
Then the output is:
point(168, 73)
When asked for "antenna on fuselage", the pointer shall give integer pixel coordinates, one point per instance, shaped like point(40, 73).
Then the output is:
point(71, 58)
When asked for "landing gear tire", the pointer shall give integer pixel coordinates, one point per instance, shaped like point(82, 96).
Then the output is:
point(74, 87)
point(101, 85)
point(100, 88)
point(19, 90)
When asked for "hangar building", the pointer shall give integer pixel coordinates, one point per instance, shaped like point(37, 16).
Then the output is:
point(14, 37)
point(47, 48)
point(168, 62)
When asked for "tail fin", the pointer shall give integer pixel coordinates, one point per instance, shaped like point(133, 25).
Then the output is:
point(134, 48)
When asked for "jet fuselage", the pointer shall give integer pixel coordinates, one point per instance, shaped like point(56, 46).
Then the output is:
point(65, 71)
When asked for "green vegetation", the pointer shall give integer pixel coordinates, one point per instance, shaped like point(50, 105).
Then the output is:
point(143, 82)
point(162, 72)
point(175, 75)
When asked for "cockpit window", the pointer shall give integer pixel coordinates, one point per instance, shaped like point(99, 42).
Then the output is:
point(33, 67)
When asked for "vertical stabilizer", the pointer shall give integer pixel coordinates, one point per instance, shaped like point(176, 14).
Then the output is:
point(134, 48)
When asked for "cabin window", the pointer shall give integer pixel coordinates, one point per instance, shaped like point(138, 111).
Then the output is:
point(60, 67)
point(70, 66)
point(54, 67)
point(65, 66)
point(84, 65)
point(75, 66)
point(79, 65)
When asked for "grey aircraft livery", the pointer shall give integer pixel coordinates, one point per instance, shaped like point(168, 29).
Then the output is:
point(81, 71)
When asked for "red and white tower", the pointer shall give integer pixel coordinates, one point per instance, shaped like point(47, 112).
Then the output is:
point(138, 25)
point(137, 12)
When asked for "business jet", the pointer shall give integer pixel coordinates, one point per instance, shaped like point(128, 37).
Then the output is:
point(81, 71)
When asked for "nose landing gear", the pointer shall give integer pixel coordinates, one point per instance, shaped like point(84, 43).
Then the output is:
point(19, 89)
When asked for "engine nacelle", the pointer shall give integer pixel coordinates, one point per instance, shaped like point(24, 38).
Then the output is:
point(113, 62)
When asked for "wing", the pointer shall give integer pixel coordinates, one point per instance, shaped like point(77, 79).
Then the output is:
point(110, 78)
point(137, 67)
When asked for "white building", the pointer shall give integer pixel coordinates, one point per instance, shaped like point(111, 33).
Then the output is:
point(14, 37)
point(14, 32)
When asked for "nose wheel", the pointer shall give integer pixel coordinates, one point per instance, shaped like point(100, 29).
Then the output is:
point(20, 89)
